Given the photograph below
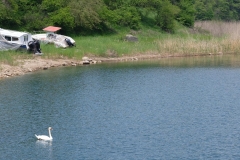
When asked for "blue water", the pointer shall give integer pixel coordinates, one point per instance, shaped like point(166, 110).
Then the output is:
point(166, 109)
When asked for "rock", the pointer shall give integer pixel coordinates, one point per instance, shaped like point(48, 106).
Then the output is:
point(85, 58)
point(8, 74)
point(86, 62)
point(29, 70)
point(131, 38)
point(94, 62)
point(135, 58)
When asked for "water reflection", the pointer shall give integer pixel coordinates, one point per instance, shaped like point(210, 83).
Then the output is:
point(192, 61)
point(44, 144)
point(44, 148)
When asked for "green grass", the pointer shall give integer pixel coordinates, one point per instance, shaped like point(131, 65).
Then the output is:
point(150, 41)
point(105, 45)
point(10, 57)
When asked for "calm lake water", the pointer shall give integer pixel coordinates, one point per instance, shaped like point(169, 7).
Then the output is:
point(170, 109)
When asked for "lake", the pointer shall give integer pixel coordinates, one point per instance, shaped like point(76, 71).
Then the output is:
point(170, 109)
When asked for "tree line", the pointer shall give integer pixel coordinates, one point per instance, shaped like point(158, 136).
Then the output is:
point(84, 16)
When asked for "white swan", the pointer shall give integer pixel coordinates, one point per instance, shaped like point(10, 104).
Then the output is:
point(45, 138)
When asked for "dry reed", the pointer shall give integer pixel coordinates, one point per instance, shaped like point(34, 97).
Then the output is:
point(180, 47)
point(225, 39)
point(219, 28)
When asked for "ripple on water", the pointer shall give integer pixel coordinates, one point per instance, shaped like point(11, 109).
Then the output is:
point(122, 112)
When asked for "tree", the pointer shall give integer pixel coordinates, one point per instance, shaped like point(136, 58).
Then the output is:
point(119, 12)
point(227, 10)
point(57, 13)
point(222, 10)
point(86, 13)
point(9, 13)
point(235, 8)
point(163, 12)
point(166, 13)
point(186, 16)
point(204, 10)
point(115, 4)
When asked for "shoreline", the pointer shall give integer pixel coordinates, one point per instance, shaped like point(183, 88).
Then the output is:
point(24, 66)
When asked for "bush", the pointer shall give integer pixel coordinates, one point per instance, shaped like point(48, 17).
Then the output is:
point(124, 16)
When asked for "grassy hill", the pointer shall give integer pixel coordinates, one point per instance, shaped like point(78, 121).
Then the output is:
point(204, 39)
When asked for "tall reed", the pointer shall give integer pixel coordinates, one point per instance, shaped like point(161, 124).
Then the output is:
point(218, 28)
point(180, 47)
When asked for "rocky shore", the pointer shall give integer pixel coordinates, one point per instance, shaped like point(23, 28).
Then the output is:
point(24, 66)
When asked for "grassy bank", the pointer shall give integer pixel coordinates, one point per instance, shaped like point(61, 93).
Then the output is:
point(205, 38)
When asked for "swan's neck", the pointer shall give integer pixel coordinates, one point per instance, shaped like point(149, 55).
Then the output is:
point(49, 131)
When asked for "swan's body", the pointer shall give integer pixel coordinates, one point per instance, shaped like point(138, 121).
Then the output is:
point(45, 138)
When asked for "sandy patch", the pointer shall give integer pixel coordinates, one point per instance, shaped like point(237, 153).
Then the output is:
point(30, 65)
point(39, 63)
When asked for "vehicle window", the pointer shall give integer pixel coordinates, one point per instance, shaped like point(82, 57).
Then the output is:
point(8, 38)
point(14, 39)
point(26, 38)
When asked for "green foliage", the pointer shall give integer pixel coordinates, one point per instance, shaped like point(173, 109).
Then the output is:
point(63, 18)
point(115, 4)
point(124, 16)
point(204, 10)
point(166, 15)
point(9, 13)
point(227, 10)
point(223, 10)
point(109, 16)
point(57, 13)
point(51, 6)
point(235, 8)
point(2, 11)
point(34, 21)
point(163, 11)
point(129, 17)
point(186, 15)
point(95, 15)
point(86, 13)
